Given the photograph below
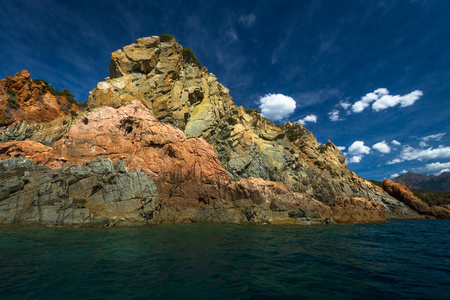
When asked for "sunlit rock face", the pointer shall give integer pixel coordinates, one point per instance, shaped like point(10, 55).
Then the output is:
point(153, 71)
point(29, 111)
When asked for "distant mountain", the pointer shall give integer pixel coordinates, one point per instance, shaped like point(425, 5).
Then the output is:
point(425, 182)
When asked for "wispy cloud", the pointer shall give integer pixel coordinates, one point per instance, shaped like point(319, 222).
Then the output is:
point(344, 104)
point(334, 115)
point(438, 167)
point(433, 137)
point(410, 153)
point(248, 20)
point(316, 97)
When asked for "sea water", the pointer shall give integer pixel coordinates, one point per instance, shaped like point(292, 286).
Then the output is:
point(399, 259)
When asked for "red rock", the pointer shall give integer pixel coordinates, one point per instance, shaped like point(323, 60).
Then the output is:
point(22, 99)
point(187, 172)
point(34, 151)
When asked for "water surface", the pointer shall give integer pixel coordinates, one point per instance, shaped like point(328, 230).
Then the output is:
point(399, 259)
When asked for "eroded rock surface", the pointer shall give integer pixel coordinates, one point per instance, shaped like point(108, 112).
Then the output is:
point(247, 145)
point(192, 184)
point(29, 110)
point(403, 194)
point(98, 193)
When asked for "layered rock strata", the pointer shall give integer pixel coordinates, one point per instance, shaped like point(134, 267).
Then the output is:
point(191, 183)
point(154, 72)
point(98, 193)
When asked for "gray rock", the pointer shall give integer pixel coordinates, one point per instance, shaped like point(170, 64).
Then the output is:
point(98, 193)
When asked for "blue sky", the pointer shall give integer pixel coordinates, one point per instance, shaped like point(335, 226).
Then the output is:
point(358, 73)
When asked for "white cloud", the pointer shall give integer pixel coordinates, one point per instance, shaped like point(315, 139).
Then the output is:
point(410, 153)
point(356, 152)
point(382, 100)
point(276, 107)
point(396, 143)
point(232, 34)
point(383, 147)
point(437, 166)
point(308, 118)
point(398, 174)
point(442, 171)
point(433, 137)
point(358, 148)
point(334, 115)
point(394, 161)
point(345, 104)
point(248, 20)
point(355, 159)
point(341, 148)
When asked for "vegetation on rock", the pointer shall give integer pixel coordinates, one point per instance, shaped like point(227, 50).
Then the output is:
point(190, 58)
point(165, 38)
point(294, 132)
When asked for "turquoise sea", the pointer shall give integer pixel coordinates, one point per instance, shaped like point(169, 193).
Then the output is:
point(396, 260)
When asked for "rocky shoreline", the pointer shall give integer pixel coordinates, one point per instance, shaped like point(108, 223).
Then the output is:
point(161, 141)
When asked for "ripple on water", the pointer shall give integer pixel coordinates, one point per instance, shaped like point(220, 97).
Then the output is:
point(400, 259)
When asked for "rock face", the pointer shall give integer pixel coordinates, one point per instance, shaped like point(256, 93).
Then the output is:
point(166, 119)
point(29, 110)
point(192, 184)
point(98, 193)
point(403, 194)
point(353, 210)
point(154, 72)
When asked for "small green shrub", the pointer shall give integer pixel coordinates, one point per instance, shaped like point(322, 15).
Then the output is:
point(252, 110)
point(11, 92)
point(40, 81)
point(190, 58)
point(321, 148)
point(73, 113)
point(164, 38)
point(294, 132)
point(13, 103)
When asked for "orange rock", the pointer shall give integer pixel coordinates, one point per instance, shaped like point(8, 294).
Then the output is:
point(357, 210)
point(23, 99)
point(34, 151)
point(403, 194)
point(187, 172)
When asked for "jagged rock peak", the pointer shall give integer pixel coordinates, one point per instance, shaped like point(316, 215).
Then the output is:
point(178, 92)
point(34, 101)
point(161, 53)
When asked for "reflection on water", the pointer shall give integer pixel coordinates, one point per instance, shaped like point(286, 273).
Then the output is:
point(400, 259)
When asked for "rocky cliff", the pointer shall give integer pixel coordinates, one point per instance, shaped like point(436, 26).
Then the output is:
point(155, 72)
point(160, 115)
point(192, 185)
point(34, 110)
